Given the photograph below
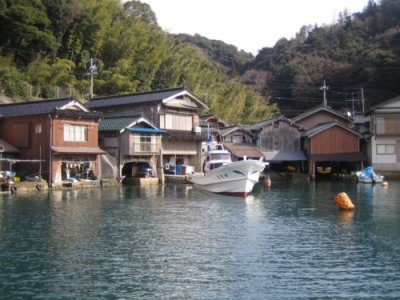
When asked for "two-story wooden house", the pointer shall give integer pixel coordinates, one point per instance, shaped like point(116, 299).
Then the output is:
point(132, 143)
point(384, 144)
point(60, 133)
point(175, 111)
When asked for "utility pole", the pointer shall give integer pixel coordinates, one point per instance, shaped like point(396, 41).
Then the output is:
point(362, 100)
point(352, 104)
point(92, 72)
point(324, 88)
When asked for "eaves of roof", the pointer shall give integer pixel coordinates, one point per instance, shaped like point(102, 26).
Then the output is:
point(317, 109)
point(36, 107)
point(134, 98)
point(322, 127)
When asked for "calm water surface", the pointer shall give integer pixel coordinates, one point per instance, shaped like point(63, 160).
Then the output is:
point(288, 241)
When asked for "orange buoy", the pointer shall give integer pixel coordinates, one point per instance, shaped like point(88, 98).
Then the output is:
point(343, 201)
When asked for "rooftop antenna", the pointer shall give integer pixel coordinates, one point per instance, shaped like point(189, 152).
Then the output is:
point(324, 88)
point(92, 72)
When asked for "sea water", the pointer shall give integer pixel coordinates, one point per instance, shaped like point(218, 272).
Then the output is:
point(286, 241)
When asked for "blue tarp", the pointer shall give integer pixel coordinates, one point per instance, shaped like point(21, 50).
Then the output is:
point(147, 130)
point(368, 171)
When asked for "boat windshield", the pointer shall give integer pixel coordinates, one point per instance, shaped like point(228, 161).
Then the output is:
point(215, 166)
point(221, 156)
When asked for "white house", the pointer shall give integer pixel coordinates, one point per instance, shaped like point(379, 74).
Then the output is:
point(384, 145)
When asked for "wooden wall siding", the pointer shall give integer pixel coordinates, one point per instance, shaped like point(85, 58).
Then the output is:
point(110, 142)
point(149, 111)
point(128, 145)
point(334, 140)
point(175, 121)
point(37, 146)
point(238, 137)
point(180, 147)
point(388, 124)
point(319, 118)
point(58, 133)
point(282, 138)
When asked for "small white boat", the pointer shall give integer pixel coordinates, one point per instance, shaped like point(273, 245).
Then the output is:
point(223, 176)
point(369, 176)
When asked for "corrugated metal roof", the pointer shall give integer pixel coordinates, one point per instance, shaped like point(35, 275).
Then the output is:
point(36, 107)
point(145, 130)
point(284, 156)
point(117, 123)
point(135, 98)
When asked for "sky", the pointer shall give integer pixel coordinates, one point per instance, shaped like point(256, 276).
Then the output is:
point(250, 25)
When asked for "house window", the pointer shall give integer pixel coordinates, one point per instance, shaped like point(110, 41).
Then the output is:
point(145, 143)
point(75, 133)
point(176, 122)
point(385, 149)
point(388, 125)
point(38, 128)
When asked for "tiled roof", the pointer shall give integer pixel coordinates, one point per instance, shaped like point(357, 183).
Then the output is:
point(324, 126)
point(267, 122)
point(33, 107)
point(317, 109)
point(135, 98)
point(230, 129)
point(117, 123)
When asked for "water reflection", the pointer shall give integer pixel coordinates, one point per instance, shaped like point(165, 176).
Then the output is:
point(288, 240)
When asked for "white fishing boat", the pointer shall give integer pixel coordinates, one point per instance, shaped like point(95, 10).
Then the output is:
point(223, 176)
point(369, 176)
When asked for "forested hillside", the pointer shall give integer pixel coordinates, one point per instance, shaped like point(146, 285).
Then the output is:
point(46, 47)
point(359, 51)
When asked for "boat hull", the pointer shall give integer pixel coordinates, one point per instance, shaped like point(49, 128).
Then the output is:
point(237, 178)
point(369, 179)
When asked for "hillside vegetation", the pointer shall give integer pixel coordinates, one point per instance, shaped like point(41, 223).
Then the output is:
point(358, 51)
point(46, 44)
point(46, 47)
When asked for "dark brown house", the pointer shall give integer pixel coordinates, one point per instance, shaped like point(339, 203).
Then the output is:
point(332, 147)
point(60, 133)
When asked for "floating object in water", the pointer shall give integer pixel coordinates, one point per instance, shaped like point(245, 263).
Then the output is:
point(343, 201)
point(268, 181)
point(324, 170)
point(385, 183)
